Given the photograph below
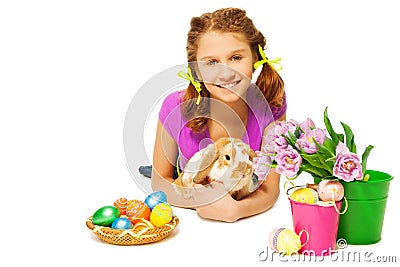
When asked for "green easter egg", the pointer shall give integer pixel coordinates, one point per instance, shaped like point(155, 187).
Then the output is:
point(105, 215)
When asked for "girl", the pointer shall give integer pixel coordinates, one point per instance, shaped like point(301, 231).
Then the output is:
point(226, 37)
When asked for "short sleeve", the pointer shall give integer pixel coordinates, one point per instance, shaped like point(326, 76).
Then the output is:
point(278, 112)
point(170, 114)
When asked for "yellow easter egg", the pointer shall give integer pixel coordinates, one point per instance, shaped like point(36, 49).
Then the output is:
point(285, 241)
point(161, 214)
point(305, 195)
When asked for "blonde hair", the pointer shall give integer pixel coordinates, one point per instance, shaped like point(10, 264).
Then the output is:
point(231, 20)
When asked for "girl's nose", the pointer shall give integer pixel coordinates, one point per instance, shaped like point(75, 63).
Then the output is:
point(226, 73)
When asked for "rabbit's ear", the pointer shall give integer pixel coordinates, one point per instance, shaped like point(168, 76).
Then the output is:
point(208, 156)
point(223, 141)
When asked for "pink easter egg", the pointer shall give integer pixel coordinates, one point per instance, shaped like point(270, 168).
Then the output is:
point(328, 189)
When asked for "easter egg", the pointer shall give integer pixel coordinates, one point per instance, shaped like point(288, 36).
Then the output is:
point(121, 223)
point(137, 209)
point(155, 198)
point(161, 214)
point(305, 195)
point(142, 224)
point(121, 204)
point(330, 190)
point(105, 215)
point(284, 240)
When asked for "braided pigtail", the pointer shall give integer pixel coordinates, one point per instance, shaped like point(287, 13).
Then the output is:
point(271, 85)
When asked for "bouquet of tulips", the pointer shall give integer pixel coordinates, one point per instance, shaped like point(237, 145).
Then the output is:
point(302, 147)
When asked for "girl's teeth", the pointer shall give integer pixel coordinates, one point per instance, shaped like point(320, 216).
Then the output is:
point(229, 85)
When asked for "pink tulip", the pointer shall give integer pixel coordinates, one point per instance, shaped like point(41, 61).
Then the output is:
point(288, 162)
point(269, 142)
point(262, 164)
point(280, 143)
point(347, 166)
point(281, 128)
point(292, 126)
point(306, 125)
point(306, 140)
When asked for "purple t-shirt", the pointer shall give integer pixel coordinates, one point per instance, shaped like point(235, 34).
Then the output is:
point(260, 115)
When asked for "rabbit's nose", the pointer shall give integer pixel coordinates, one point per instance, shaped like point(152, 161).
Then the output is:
point(255, 177)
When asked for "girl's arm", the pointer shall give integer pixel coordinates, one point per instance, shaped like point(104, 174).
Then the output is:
point(164, 157)
point(229, 210)
point(164, 160)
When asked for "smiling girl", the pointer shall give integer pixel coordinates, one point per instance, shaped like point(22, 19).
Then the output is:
point(222, 49)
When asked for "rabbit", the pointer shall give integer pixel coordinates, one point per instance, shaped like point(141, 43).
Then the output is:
point(228, 161)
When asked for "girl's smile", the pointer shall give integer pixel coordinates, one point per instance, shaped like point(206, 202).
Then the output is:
point(229, 86)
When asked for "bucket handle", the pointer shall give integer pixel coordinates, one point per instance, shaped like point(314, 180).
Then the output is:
point(287, 190)
point(334, 205)
point(308, 237)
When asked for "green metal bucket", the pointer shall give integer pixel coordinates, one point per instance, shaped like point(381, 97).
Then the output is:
point(362, 223)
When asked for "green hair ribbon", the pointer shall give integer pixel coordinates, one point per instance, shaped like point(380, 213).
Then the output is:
point(274, 63)
point(177, 168)
point(188, 76)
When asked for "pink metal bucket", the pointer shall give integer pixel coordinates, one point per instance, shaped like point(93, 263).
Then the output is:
point(321, 223)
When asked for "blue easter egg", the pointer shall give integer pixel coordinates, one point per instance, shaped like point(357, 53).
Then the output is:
point(121, 223)
point(155, 198)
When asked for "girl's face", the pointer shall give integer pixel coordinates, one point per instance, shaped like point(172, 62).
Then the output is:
point(225, 64)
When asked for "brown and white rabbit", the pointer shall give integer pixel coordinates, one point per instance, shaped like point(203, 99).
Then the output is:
point(228, 161)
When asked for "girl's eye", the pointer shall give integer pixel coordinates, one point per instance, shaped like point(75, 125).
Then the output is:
point(227, 157)
point(236, 58)
point(211, 62)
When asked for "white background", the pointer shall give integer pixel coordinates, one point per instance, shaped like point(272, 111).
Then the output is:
point(69, 69)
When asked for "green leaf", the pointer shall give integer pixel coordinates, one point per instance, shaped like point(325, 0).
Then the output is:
point(333, 159)
point(293, 142)
point(329, 145)
point(326, 151)
point(315, 171)
point(329, 128)
point(365, 156)
point(291, 139)
point(341, 137)
point(298, 132)
point(349, 138)
point(315, 161)
point(328, 163)
point(298, 173)
point(273, 165)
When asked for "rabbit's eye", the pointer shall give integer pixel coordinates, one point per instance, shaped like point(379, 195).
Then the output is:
point(227, 157)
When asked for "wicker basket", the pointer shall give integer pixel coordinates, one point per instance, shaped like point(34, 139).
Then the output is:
point(142, 233)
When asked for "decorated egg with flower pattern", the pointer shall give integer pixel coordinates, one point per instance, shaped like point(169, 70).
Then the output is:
point(161, 214)
point(121, 204)
point(330, 190)
point(305, 195)
point(284, 240)
point(137, 210)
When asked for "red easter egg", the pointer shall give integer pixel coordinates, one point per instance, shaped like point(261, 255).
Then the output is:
point(137, 210)
point(121, 204)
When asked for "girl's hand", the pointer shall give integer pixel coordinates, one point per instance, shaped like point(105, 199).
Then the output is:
point(223, 209)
